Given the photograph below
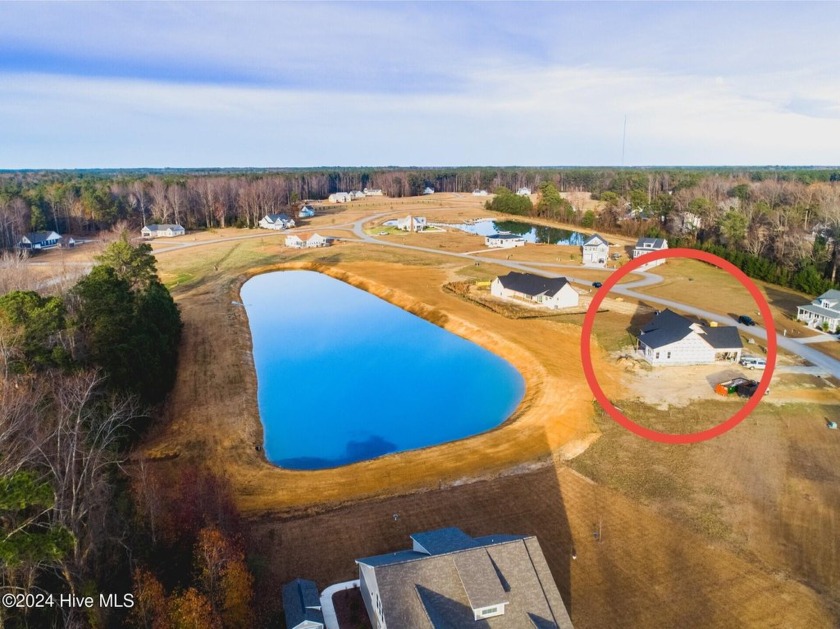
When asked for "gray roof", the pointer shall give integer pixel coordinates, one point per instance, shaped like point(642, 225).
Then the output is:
point(441, 590)
point(530, 284)
point(722, 337)
point(668, 327)
point(650, 243)
point(37, 237)
point(275, 217)
point(819, 310)
point(444, 540)
point(162, 227)
point(299, 598)
point(504, 237)
point(831, 295)
point(593, 240)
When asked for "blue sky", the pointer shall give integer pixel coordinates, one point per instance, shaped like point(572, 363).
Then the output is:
point(86, 85)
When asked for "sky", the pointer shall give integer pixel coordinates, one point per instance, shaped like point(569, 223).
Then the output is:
point(214, 84)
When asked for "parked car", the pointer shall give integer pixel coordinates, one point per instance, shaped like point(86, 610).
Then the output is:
point(753, 362)
point(597, 284)
point(746, 320)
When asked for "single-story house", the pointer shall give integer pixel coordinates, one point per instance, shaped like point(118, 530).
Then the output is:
point(277, 221)
point(162, 231)
point(340, 197)
point(68, 241)
point(524, 192)
point(825, 309)
point(39, 240)
point(504, 241)
point(305, 241)
point(545, 291)
point(307, 211)
point(302, 605)
point(428, 190)
point(449, 579)
point(357, 194)
point(373, 192)
point(596, 250)
point(411, 223)
point(672, 339)
point(647, 245)
point(479, 193)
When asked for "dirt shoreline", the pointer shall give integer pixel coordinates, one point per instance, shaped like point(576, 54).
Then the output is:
point(554, 417)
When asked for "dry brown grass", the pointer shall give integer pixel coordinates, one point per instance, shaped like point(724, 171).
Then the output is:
point(740, 531)
point(213, 415)
point(647, 570)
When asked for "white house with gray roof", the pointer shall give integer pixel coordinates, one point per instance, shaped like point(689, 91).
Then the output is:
point(504, 241)
point(672, 339)
point(449, 579)
point(648, 245)
point(596, 251)
point(277, 221)
point(162, 231)
point(549, 292)
point(412, 223)
point(824, 310)
point(39, 240)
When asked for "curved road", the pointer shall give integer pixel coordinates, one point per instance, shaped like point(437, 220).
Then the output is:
point(822, 361)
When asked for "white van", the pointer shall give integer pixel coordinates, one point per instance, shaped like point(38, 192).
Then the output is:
point(752, 362)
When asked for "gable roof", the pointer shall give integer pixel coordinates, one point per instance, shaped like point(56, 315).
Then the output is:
point(533, 285)
point(162, 227)
point(301, 603)
point(651, 243)
point(830, 295)
point(669, 327)
point(593, 240)
point(38, 237)
point(277, 217)
point(443, 589)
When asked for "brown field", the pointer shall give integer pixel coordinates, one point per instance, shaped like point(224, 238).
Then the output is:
point(213, 413)
point(741, 531)
point(721, 292)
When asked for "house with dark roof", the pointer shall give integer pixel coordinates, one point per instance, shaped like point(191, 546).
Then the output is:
point(823, 311)
point(302, 605)
point(307, 211)
point(596, 250)
point(672, 339)
point(549, 292)
point(39, 240)
point(504, 241)
point(648, 245)
point(449, 579)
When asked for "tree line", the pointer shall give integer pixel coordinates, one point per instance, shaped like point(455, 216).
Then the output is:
point(82, 374)
point(84, 202)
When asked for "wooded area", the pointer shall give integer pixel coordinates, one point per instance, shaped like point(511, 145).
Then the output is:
point(82, 375)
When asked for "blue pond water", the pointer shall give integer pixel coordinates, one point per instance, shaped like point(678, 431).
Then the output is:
point(529, 231)
point(344, 376)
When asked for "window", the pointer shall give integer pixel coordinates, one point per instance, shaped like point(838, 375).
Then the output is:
point(669, 354)
point(657, 355)
point(489, 610)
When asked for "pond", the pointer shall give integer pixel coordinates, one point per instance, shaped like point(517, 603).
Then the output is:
point(343, 376)
point(529, 231)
